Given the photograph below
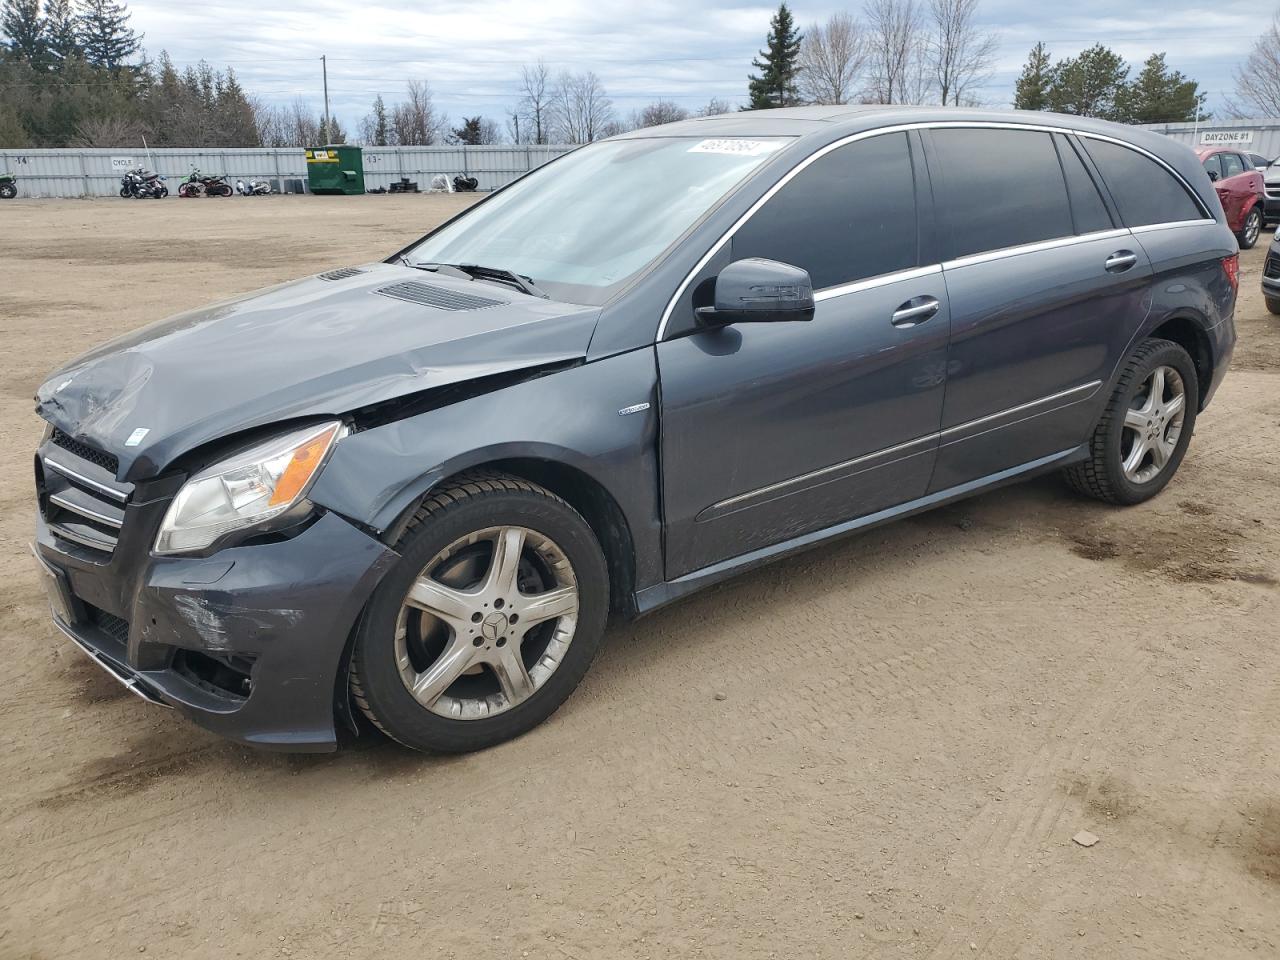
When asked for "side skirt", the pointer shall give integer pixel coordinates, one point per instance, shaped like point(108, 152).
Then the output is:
point(659, 595)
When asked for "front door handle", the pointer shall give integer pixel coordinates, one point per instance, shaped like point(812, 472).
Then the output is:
point(915, 311)
point(1120, 261)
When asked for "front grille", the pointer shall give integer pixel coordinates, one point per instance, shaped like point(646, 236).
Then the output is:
point(86, 452)
point(342, 273)
point(115, 627)
point(427, 295)
point(80, 498)
point(1272, 269)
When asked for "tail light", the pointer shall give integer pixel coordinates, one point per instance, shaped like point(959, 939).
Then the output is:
point(1231, 268)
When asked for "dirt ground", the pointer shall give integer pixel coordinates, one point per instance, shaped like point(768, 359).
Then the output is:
point(882, 748)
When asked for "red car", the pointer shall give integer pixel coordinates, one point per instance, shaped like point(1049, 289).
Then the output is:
point(1239, 188)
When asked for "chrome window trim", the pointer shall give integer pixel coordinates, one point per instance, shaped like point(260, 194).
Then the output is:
point(828, 293)
point(101, 487)
point(1170, 225)
point(1091, 387)
point(902, 128)
point(75, 508)
point(1002, 252)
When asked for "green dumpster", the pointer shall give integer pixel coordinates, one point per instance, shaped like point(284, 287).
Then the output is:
point(335, 168)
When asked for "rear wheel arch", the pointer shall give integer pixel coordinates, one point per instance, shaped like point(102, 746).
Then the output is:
point(1189, 333)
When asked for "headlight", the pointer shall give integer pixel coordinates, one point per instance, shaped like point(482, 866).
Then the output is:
point(246, 490)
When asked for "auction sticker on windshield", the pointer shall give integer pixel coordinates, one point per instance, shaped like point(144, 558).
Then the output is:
point(745, 148)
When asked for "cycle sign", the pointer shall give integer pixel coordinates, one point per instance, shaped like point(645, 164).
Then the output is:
point(122, 163)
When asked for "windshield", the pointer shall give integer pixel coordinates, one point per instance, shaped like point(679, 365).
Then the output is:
point(582, 226)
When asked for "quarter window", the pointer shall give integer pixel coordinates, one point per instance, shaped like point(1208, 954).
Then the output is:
point(1001, 188)
point(849, 215)
point(1144, 191)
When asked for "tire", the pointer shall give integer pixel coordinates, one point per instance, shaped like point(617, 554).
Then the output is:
point(1104, 475)
point(1250, 229)
point(1273, 305)
point(441, 539)
point(124, 193)
point(8, 191)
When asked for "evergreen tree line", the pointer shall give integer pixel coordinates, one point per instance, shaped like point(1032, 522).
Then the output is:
point(67, 78)
point(1096, 84)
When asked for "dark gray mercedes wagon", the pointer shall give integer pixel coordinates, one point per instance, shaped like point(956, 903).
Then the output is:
point(416, 490)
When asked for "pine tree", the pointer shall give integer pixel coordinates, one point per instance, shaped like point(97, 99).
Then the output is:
point(23, 29)
point(61, 30)
point(1032, 90)
point(1090, 85)
point(379, 122)
point(1160, 95)
point(775, 86)
point(469, 133)
point(105, 34)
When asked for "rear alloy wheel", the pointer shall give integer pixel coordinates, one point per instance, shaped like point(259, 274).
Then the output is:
point(493, 615)
point(1144, 431)
point(1248, 235)
point(8, 191)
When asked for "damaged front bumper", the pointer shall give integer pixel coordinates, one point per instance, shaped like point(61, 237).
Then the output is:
point(248, 643)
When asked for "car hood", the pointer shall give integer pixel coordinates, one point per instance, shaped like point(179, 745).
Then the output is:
point(325, 345)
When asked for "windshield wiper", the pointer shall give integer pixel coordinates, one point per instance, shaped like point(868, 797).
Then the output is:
point(478, 272)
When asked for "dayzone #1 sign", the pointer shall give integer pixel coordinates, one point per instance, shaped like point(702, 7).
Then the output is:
point(1226, 136)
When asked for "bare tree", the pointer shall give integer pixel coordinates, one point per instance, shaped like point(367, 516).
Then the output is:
point(832, 56)
point(535, 103)
point(1258, 80)
point(660, 112)
point(110, 131)
point(580, 108)
point(715, 106)
point(959, 54)
point(414, 121)
point(894, 52)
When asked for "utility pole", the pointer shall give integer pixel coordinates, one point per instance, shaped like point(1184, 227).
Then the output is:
point(324, 69)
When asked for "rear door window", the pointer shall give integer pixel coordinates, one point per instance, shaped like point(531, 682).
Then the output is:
point(1000, 188)
point(1232, 166)
point(1087, 209)
point(1144, 190)
point(848, 216)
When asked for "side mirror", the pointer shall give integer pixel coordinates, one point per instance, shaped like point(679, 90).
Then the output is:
point(759, 291)
point(1213, 176)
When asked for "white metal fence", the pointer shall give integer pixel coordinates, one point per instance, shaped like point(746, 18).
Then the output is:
point(96, 173)
point(1251, 136)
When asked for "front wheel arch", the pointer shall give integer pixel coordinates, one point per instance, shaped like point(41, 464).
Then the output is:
point(577, 488)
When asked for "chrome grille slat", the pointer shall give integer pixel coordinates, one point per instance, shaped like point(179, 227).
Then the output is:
point(69, 503)
point(87, 481)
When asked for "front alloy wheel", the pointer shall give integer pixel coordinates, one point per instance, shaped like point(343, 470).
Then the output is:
point(487, 622)
point(492, 616)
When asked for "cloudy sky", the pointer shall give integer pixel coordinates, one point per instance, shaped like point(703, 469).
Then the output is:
point(687, 51)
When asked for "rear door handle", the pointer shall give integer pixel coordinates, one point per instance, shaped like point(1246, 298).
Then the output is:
point(915, 311)
point(1120, 261)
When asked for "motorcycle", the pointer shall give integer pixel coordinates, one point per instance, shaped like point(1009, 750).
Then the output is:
point(8, 186)
point(254, 188)
point(463, 184)
point(198, 184)
point(143, 185)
